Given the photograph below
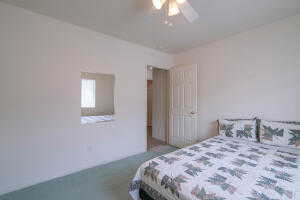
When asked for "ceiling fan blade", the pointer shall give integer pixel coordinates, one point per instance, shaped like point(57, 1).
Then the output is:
point(188, 11)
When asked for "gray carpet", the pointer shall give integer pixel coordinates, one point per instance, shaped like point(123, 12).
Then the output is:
point(105, 182)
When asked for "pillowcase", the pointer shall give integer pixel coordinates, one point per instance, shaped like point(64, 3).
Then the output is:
point(280, 133)
point(239, 128)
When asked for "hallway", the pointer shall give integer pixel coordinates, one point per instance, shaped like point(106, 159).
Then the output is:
point(151, 141)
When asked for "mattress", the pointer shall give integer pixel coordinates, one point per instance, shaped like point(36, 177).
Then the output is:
point(96, 119)
point(221, 168)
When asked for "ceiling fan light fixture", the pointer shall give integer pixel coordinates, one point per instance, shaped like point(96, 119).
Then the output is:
point(158, 3)
point(180, 1)
point(173, 8)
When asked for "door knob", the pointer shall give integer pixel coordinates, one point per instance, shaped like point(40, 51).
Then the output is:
point(192, 113)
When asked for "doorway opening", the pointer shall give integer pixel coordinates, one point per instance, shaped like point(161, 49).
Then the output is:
point(157, 107)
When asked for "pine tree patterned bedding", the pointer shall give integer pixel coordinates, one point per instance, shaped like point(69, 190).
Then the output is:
point(222, 168)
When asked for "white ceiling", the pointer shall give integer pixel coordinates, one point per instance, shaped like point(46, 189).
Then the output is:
point(137, 21)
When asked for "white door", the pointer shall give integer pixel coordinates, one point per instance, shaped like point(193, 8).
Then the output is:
point(183, 108)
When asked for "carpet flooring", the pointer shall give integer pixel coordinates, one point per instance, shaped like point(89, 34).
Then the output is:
point(104, 182)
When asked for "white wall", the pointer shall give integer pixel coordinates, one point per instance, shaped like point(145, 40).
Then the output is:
point(255, 73)
point(40, 132)
point(149, 73)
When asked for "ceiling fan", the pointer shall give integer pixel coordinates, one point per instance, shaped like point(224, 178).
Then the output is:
point(177, 6)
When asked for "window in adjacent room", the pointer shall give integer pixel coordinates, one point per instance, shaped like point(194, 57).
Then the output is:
point(88, 93)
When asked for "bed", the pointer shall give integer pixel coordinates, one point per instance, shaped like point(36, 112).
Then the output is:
point(96, 119)
point(220, 168)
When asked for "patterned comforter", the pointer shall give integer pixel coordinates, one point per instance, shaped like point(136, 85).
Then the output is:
point(221, 168)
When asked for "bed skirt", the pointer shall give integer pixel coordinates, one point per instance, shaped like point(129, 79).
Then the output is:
point(144, 195)
point(148, 193)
